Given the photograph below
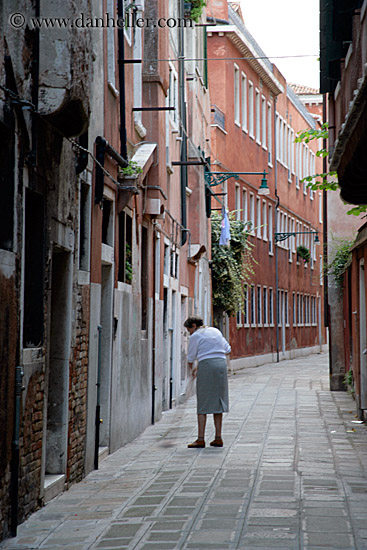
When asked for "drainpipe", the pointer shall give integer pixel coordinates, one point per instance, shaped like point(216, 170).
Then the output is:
point(277, 312)
point(181, 76)
point(325, 228)
point(32, 155)
point(121, 63)
point(15, 452)
point(98, 405)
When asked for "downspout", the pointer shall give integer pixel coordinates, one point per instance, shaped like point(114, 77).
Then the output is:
point(325, 228)
point(15, 452)
point(277, 312)
point(121, 63)
point(31, 159)
point(32, 155)
point(183, 129)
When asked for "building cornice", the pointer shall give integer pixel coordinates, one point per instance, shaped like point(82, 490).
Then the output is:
point(247, 50)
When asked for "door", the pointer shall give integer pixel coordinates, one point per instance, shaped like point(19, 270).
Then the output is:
point(362, 335)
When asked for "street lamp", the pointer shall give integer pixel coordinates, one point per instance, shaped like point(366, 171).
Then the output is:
point(283, 236)
point(216, 178)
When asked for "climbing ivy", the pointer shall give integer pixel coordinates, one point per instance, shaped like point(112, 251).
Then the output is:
point(341, 261)
point(232, 265)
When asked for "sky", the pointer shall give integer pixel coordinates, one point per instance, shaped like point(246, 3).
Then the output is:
point(287, 28)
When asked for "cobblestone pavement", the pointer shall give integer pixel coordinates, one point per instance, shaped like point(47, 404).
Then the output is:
point(292, 475)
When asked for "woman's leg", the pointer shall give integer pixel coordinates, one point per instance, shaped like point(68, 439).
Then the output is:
point(201, 426)
point(218, 424)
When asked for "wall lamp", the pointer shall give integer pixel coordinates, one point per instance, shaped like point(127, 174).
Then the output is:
point(283, 236)
point(216, 178)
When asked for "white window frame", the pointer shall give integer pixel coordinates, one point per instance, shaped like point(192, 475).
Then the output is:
point(271, 307)
point(237, 115)
point(252, 319)
point(251, 109)
point(264, 220)
point(252, 213)
point(258, 116)
point(270, 232)
point(246, 319)
point(259, 311)
point(238, 201)
point(263, 123)
point(270, 134)
point(244, 206)
point(244, 101)
point(265, 307)
point(258, 217)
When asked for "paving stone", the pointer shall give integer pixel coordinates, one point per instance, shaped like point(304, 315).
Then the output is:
point(278, 484)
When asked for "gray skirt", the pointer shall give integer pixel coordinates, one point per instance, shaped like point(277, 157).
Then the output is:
point(212, 386)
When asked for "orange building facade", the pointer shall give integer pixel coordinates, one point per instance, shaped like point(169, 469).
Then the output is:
point(255, 119)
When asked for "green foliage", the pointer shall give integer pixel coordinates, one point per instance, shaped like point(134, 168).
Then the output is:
point(348, 379)
point(131, 169)
point(128, 264)
point(232, 266)
point(341, 261)
point(325, 182)
point(304, 253)
point(197, 7)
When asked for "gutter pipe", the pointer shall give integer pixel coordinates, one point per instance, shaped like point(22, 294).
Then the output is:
point(181, 73)
point(121, 64)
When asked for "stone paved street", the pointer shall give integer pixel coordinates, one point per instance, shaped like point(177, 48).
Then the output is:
point(292, 475)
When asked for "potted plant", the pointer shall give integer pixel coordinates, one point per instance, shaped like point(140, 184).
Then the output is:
point(303, 253)
point(131, 171)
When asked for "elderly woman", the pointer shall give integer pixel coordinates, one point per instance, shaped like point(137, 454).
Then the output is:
point(210, 348)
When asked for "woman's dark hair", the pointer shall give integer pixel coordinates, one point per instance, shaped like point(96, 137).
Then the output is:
point(194, 320)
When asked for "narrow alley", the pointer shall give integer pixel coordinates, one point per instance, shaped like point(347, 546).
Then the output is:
point(291, 475)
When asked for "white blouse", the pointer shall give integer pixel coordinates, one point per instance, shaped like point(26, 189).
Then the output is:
point(206, 343)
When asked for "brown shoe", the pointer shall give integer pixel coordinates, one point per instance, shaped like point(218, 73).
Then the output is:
point(218, 442)
point(197, 444)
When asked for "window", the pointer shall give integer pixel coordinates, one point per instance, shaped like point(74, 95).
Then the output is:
point(271, 308)
point(258, 115)
point(251, 108)
point(173, 94)
point(277, 132)
point(236, 95)
point(279, 308)
point(320, 207)
point(298, 165)
point(252, 212)
point(263, 120)
point(265, 225)
point(107, 222)
point(258, 217)
point(125, 248)
point(239, 319)
point(270, 232)
point(286, 312)
point(292, 152)
point(270, 135)
point(34, 261)
point(244, 102)
point(127, 16)
point(84, 226)
point(252, 306)
point(245, 307)
point(238, 201)
point(111, 53)
point(294, 299)
point(321, 273)
point(166, 268)
point(259, 306)
point(265, 307)
point(244, 206)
